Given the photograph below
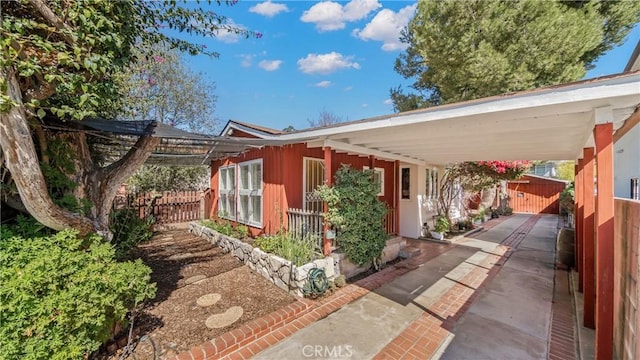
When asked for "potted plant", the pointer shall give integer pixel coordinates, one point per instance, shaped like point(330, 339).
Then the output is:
point(440, 228)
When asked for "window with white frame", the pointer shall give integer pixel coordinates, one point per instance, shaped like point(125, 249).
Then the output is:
point(250, 193)
point(227, 187)
point(432, 190)
point(378, 177)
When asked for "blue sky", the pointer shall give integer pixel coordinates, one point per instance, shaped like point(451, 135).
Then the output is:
point(319, 56)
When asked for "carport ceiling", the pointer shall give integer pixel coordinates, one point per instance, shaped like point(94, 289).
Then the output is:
point(553, 123)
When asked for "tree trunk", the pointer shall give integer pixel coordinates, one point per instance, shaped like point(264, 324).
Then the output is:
point(22, 161)
point(99, 185)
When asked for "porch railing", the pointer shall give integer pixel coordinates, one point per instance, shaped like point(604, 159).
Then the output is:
point(389, 222)
point(305, 222)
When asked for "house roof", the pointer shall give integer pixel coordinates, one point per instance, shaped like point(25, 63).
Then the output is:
point(634, 61)
point(252, 129)
point(552, 123)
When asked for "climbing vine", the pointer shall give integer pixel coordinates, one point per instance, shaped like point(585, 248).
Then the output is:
point(356, 213)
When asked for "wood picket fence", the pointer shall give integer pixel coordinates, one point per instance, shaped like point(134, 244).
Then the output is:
point(167, 207)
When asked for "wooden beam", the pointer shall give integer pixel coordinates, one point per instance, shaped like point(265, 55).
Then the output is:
point(603, 134)
point(396, 194)
point(632, 121)
point(337, 145)
point(588, 246)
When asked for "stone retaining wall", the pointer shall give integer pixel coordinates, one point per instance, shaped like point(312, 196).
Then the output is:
point(279, 271)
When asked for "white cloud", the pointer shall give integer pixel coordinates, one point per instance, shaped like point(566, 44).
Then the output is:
point(348, 88)
point(268, 8)
point(330, 16)
point(386, 27)
point(388, 102)
point(323, 84)
point(227, 36)
point(326, 63)
point(365, 105)
point(270, 65)
point(247, 60)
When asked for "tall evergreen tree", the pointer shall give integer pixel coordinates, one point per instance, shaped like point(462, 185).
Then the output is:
point(462, 50)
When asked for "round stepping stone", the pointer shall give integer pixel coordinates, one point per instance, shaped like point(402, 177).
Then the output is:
point(180, 256)
point(208, 300)
point(195, 278)
point(227, 318)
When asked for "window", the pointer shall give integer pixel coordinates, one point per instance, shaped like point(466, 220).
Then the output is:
point(314, 176)
point(432, 190)
point(250, 193)
point(405, 182)
point(378, 177)
point(227, 186)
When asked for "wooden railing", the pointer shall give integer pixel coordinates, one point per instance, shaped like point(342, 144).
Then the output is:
point(389, 222)
point(304, 222)
point(166, 207)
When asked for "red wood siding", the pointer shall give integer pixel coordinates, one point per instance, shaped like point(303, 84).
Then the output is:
point(282, 177)
point(536, 196)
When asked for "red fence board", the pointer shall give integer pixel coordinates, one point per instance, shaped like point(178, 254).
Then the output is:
point(535, 195)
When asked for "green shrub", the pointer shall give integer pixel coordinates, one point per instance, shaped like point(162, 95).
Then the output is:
point(298, 250)
point(60, 296)
point(25, 226)
point(225, 227)
point(442, 225)
point(129, 231)
point(567, 200)
point(357, 213)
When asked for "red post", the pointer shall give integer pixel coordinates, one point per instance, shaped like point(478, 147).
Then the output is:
point(579, 194)
point(578, 245)
point(588, 246)
point(603, 135)
point(372, 162)
point(326, 244)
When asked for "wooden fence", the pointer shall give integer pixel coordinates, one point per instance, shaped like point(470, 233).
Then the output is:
point(167, 207)
point(304, 222)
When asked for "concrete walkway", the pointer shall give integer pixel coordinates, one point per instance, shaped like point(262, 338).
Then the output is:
point(487, 297)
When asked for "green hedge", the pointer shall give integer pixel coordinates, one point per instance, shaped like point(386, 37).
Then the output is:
point(60, 295)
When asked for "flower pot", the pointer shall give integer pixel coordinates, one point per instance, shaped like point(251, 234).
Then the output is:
point(437, 235)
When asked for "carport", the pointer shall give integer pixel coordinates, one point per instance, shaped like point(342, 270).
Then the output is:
point(575, 121)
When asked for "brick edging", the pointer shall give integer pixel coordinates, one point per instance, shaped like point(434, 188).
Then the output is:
point(250, 331)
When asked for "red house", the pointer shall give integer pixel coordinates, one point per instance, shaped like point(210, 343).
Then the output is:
point(265, 187)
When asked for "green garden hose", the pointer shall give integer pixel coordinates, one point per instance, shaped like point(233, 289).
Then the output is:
point(317, 283)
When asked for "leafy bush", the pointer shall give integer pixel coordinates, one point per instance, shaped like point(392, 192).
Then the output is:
point(60, 296)
point(567, 200)
point(357, 213)
point(508, 211)
point(225, 227)
point(442, 225)
point(298, 250)
point(129, 231)
point(25, 226)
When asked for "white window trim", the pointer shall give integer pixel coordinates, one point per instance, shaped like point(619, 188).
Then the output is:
point(381, 171)
point(250, 192)
point(304, 177)
point(227, 192)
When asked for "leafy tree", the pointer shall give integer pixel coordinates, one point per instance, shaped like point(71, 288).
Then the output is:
point(59, 59)
point(565, 170)
point(462, 50)
point(170, 178)
point(160, 86)
point(289, 128)
point(325, 118)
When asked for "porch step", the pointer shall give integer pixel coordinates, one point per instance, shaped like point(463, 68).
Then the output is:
point(409, 251)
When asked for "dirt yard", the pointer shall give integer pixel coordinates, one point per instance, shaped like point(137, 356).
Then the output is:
point(202, 293)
